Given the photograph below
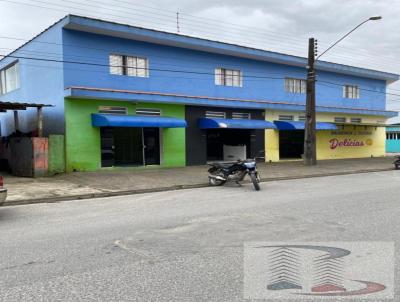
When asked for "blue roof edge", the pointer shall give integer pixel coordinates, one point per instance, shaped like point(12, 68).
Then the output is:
point(137, 96)
point(105, 27)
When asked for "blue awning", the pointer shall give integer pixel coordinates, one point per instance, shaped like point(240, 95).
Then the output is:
point(297, 125)
point(214, 123)
point(114, 120)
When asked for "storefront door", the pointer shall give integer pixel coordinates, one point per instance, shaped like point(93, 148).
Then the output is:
point(123, 146)
point(151, 141)
point(291, 144)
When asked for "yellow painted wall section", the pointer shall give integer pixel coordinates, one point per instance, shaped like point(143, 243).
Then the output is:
point(351, 142)
point(346, 142)
point(271, 145)
point(271, 140)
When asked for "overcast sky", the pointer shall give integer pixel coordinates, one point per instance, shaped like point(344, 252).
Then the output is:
point(277, 25)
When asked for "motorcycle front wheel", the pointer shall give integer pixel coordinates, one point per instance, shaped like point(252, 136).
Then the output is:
point(255, 181)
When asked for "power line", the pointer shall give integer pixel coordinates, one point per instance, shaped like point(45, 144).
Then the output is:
point(153, 69)
point(247, 34)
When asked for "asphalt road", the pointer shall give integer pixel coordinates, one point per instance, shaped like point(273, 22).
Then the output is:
point(181, 245)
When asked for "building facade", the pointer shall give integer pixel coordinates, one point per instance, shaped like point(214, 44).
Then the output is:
point(393, 139)
point(128, 96)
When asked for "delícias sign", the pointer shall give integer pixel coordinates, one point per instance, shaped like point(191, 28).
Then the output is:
point(336, 143)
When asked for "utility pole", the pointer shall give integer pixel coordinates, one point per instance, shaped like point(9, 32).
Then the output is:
point(177, 23)
point(310, 139)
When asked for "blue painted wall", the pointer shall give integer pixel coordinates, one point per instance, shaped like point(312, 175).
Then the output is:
point(40, 82)
point(393, 145)
point(97, 49)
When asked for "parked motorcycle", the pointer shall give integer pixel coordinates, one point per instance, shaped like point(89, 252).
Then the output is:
point(220, 173)
point(397, 162)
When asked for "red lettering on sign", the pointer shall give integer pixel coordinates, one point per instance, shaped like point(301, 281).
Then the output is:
point(335, 143)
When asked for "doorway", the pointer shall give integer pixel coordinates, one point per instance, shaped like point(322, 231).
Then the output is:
point(123, 146)
point(291, 144)
point(217, 138)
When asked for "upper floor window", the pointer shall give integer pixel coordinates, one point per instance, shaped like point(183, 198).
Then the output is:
point(351, 92)
point(393, 136)
point(9, 78)
point(295, 85)
point(228, 77)
point(129, 66)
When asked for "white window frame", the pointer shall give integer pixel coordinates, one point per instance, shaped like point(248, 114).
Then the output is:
point(294, 85)
point(340, 119)
point(4, 83)
point(241, 116)
point(228, 77)
point(215, 114)
point(356, 120)
point(113, 110)
point(284, 117)
point(148, 111)
point(351, 92)
point(129, 65)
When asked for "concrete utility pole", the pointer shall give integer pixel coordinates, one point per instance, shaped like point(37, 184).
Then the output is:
point(310, 136)
point(310, 139)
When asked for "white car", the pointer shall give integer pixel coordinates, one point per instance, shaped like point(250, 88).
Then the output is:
point(3, 191)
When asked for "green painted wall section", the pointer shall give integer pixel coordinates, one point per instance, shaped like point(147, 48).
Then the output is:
point(83, 140)
point(56, 154)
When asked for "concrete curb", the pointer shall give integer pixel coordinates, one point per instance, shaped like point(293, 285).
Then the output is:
point(172, 188)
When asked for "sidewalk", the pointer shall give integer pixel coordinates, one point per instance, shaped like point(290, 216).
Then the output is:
point(120, 181)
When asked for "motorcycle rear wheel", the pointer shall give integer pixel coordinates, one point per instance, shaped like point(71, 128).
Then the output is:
point(254, 180)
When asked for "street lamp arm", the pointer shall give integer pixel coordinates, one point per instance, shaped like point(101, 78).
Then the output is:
point(342, 38)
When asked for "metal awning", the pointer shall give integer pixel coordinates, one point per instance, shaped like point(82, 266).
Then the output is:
point(115, 120)
point(214, 123)
point(298, 125)
point(4, 106)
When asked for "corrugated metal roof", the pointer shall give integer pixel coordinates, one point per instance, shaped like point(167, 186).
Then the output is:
point(17, 105)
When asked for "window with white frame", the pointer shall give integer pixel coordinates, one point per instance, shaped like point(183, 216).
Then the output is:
point(286, 117)
point(148, 111)
point(228, 77)
point(295, 85)
point(113, 110)
point(340, 120)
point(302, 118)
point(351, 92)
point(356, 120)
point(393, 136)
point(129, 66)
point(9, 78)
point(215, 114)
point(241, 116)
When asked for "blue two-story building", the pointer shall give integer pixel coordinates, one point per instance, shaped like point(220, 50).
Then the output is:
point(124, 95)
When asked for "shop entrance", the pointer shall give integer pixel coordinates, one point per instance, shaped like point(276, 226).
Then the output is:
point(291, 144)
point(124, 146)
point(219, 140)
